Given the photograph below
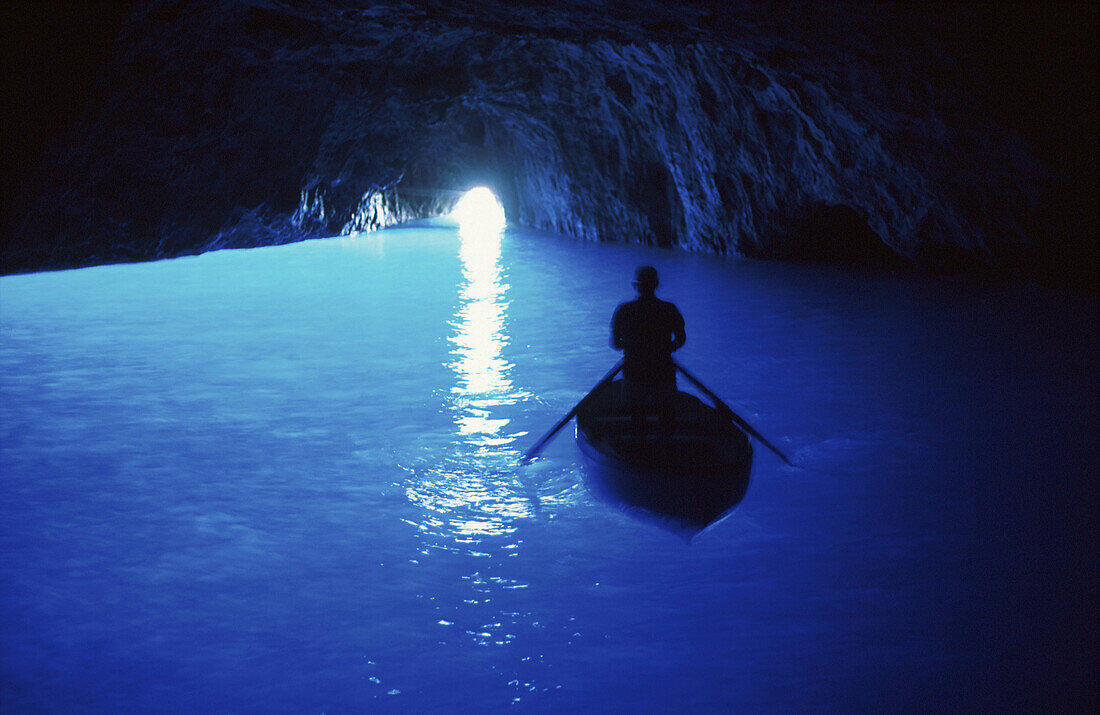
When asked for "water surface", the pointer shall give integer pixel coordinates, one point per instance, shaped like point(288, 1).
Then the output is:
point(285, 480)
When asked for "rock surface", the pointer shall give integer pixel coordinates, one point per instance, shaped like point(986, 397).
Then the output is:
point(855, 133)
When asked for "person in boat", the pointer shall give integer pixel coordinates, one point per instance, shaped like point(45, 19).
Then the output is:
point(648, 330)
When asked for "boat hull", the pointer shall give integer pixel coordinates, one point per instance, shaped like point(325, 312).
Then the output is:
point(688, 477)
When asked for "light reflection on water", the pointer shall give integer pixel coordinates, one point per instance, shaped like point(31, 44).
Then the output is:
point(470, 496)
point(479, 339)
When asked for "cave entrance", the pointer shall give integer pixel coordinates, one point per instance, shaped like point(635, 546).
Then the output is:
point(479, 213)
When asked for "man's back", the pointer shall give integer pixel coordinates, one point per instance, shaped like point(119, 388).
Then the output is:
point(647, 330)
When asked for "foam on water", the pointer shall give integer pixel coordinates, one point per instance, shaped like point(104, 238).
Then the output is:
point(285, 479)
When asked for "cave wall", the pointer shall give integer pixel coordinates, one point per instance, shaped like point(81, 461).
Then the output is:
point(837, 132)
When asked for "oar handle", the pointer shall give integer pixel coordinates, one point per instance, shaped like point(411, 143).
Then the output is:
point(537, 447)
point(733, 415)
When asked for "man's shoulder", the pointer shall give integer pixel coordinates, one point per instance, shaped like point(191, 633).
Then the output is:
point(626, 306)
point(669, 307)
point(648, 306)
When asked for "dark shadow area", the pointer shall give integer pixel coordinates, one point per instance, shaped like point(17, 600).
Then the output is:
point(656, 195)
point(947, 259)
point(826, 233)
point(54, 55)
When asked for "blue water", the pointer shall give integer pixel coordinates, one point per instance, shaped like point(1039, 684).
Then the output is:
point(286, 480)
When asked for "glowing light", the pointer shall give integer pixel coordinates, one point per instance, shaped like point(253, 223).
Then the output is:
point(479, 213)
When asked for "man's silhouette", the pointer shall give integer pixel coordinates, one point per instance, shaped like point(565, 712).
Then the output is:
point(648, 330)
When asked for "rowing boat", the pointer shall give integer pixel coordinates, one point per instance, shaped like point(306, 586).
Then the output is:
point(690, 475)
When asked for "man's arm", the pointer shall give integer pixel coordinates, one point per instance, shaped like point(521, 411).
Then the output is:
point(679, 335)
point(617, 330)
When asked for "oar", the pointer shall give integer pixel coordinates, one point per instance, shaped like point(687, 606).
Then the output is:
point(736, 418)
point(534, 451)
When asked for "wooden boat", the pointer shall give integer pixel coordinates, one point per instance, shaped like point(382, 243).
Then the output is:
point(689, 477)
